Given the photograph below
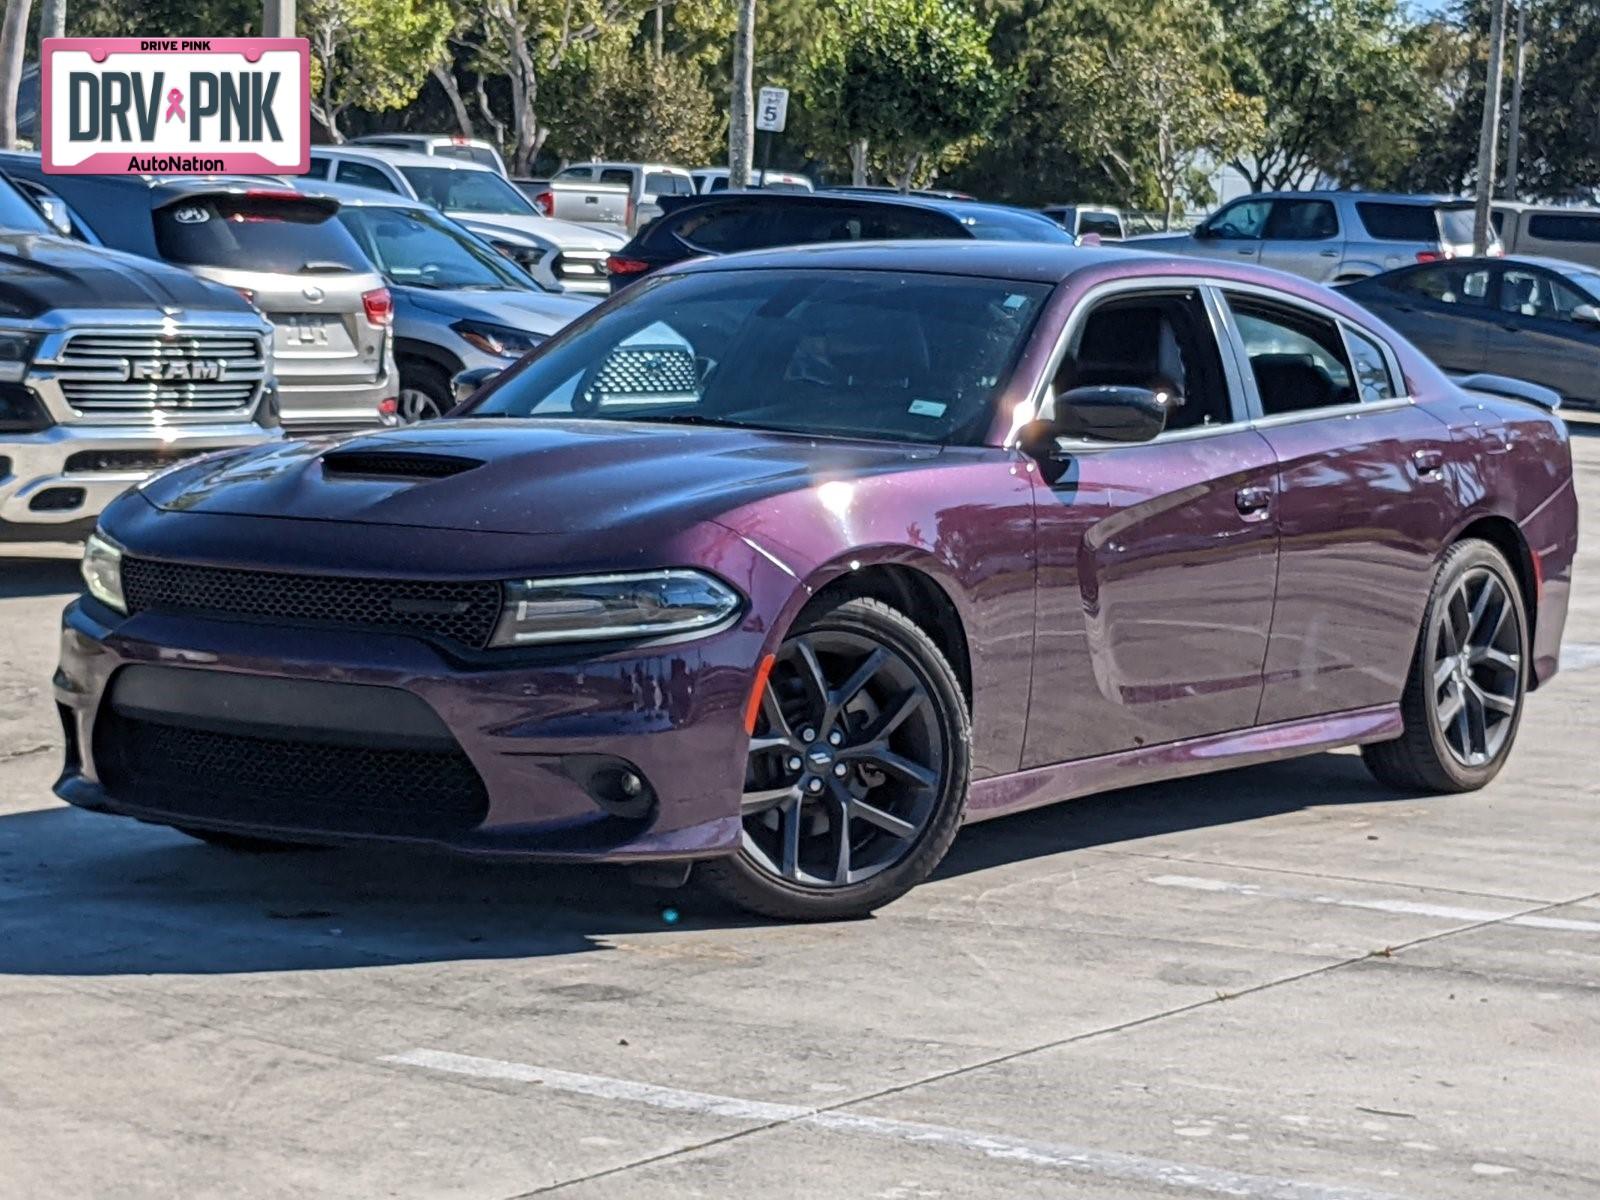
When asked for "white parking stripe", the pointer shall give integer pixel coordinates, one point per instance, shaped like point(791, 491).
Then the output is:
point(1580, 656)
point(1106, 1164)
point(1449, 912)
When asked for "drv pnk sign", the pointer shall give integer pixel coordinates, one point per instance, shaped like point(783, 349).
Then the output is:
point(175, 106)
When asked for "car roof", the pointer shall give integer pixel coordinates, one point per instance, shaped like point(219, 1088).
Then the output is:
point(1380, 197)
point(400, 158)
point(963, 209)
point(350, 196)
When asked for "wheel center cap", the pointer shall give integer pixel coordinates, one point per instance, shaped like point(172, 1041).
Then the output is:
point(820, 758)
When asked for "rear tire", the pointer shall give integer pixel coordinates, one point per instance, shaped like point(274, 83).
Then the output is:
point(845, 820)
point(424, 392)
point(1464, 696)
point(241, 843)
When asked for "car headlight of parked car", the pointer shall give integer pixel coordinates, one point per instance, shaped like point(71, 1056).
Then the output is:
point(499, 340)
point(102, 571)
point(635, 604)
point(525, 256)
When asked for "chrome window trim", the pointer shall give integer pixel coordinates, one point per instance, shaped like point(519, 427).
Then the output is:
point(1074, 326)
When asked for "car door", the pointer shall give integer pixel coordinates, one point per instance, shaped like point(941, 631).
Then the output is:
point(1157, 561)
point(1364, 503)
point(1535, 337)
point(1234, 231)
point(1302, 236)
point(1443, 309)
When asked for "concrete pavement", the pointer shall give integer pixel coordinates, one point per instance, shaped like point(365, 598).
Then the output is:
point(1280, 982)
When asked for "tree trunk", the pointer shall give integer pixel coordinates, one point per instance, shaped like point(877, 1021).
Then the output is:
point(446, 79)
point(858, 163)
point(741, 101)
point(13, 46)
point(910, 172)
point(488, 114)
point(52, 21)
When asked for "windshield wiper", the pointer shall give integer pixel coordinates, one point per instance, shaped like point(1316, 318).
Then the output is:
point(689, 418)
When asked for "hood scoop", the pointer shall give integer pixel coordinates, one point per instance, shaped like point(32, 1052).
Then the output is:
point(396, 464)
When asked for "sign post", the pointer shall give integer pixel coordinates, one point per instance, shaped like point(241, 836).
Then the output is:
point(772, 113)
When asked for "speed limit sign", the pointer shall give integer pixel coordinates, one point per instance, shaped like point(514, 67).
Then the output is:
point(772, 109)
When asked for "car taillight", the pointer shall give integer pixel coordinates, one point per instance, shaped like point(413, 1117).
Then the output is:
point(1431, 255)
point(379, 306)
point(630, 212)
point(617, 265)
point(545, 202)
point(248, 296)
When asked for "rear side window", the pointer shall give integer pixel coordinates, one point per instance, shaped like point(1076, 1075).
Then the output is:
point(1298, 359)
point(576, 173)
point(258, 233)
point(724, 229)
point(318, 169)
point(1372, 368)
point(1399, 222)
point(1447, 284)
point(359, 174)
point(1562, 227)
point(617, 175)
point(993, 225)
point(1104, 224)
point(1301, 221)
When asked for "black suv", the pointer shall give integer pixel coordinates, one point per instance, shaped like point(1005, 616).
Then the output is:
point(726, 222)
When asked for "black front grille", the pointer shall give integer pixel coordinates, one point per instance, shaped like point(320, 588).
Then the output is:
point(277, 783)
point(90, 461)
point(464, 612)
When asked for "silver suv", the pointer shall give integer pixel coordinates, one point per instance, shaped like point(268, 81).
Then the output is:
point(282, 251)
point(1331, 237)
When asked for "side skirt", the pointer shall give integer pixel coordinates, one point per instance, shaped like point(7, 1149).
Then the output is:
point(1021, 790)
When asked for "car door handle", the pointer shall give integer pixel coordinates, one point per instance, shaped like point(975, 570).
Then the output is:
point(1328, 253)
point(1429, 463)
point(1251, 500)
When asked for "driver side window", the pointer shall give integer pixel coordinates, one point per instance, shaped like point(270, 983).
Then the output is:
point(1242, 220)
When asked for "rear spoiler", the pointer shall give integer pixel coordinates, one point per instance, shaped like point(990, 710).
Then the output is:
point(1513, 389)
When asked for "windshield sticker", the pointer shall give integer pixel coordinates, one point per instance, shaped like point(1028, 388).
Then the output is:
point(1015, 301)
point(927, 408)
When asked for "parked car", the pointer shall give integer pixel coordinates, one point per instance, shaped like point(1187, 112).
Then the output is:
point(715, 179)
point(557, 253)
point(458, 304)
point(606, 204)
point(444, 145)
point(1536, 319)
point(1083, 219)
point(647, 183)
point(333, 352)
point(112, 366)
point(1330, 237)
point(732, 221)
point(934, 532)
point(1543, 230)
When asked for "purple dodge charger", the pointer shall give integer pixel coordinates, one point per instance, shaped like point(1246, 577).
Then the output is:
point(782, 565)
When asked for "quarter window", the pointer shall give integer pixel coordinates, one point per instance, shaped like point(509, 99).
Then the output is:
point(1298, 359)
point(1467, 286)
point(1372, 367)
point(1535, 294)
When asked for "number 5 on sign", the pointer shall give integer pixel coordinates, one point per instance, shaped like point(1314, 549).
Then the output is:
point(772, 109)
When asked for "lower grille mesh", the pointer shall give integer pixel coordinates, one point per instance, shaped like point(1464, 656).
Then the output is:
point(283, 783)
point(464, 612)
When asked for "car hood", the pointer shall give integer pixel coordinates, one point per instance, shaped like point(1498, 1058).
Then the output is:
point(527, 476)
point(39, 273)
point(534, 312)
point(568, 235)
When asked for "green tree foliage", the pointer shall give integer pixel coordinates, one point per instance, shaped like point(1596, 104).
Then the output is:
point(615, 99)
point(1339, 82)
point(371, 54)
point(911, 79)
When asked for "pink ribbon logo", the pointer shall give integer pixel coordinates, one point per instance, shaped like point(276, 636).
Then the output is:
point(175, 105)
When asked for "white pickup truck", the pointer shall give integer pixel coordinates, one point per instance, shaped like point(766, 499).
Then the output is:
point(624, 195)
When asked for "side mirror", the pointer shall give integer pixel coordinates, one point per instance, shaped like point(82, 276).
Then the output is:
point(1102, 413)
point(1204, 232)
point(466, 383)
point(1587, 314)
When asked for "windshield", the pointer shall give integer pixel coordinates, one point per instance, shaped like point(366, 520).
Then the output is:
point(875, 354)
point(258, 233)
point(17, 215)
point(466, 191)
point(416, 249)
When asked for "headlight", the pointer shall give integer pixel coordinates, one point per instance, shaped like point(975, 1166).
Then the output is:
point(641, 604)
point(16, 349)
point(499, 340)
point(526, 257)
point(102, 571)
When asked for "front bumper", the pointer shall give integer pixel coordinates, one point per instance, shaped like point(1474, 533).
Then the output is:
point(528, 730)
point(56, 482)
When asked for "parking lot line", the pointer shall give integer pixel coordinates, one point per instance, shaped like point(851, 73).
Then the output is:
point(1409, 908)
point(1106, 1164)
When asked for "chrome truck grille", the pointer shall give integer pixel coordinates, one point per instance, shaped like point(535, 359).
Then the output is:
point(129, 373)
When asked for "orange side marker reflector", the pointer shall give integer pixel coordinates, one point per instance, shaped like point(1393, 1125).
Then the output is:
point(752, 706)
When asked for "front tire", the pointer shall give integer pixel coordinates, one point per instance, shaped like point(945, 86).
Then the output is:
point(857, 773)
point(424, 393)
point(1463, 699)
